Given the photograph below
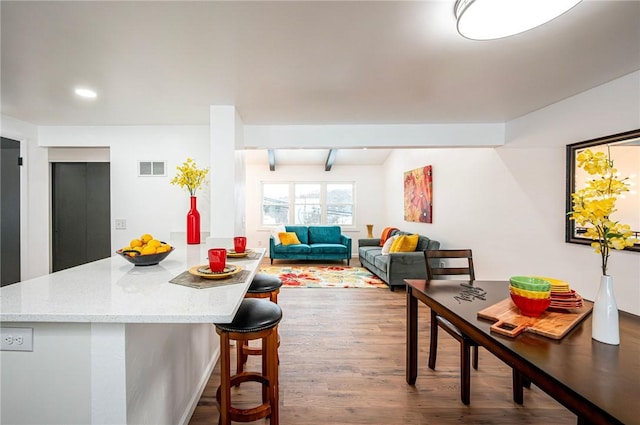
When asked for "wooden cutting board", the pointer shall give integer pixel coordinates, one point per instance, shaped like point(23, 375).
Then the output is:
point(552, 323)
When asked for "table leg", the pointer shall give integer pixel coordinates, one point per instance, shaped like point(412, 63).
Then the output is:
point(518, 383)
point(412, 337)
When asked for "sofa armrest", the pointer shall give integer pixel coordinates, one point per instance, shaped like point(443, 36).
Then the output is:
point(369, 242)
point(346, 240)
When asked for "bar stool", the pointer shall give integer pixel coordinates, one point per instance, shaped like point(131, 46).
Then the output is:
point(255, 319)
point(262, 286)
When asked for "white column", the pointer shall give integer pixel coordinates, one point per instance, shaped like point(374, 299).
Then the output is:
point(108, 374)
point(227, 176)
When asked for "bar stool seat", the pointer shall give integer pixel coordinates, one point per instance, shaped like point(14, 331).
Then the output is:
point(264, 286)
point(255, 319)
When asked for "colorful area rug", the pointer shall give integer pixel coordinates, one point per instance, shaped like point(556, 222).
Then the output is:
point(325, 276)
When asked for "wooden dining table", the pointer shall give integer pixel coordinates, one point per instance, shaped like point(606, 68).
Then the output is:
point(598, 382)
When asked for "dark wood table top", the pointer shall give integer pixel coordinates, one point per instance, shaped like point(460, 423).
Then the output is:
point(585, 375)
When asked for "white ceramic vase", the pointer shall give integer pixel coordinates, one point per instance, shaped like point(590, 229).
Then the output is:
point(605, 327)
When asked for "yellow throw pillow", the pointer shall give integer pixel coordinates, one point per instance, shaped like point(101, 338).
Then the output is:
point(288, 238)
point(405, 243)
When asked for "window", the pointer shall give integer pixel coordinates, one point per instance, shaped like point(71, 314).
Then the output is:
point(308, 203)
point(340, 203)
point(275, 203)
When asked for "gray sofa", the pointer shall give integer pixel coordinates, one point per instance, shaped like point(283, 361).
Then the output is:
point(393, 268)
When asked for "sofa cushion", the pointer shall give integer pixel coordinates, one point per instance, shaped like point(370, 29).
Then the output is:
point(369, 252)
point(292, 249)
point(405, 243)
point(301, 231)
point(324, 234)
point(289, 238)
point(381, 262)
point(327, 248)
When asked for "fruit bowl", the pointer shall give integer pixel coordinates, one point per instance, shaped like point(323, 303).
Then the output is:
point(144, 260)
point(529, 306)
point(530, 283)
point(529, 294)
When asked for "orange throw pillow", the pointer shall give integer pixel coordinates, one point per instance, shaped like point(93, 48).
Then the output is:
point(385, 234)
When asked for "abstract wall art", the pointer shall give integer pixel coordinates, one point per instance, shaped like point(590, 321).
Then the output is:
point(418, 195)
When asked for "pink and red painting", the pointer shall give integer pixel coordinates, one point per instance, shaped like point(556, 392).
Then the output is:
point(418, 195)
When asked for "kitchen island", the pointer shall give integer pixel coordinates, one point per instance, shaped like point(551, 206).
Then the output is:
point(114, 343)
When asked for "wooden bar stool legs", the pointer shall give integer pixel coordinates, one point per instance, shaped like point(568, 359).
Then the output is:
point(262, 286)
point(255, 319)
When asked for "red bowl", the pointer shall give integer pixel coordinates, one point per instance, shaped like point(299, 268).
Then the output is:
point(532, 307)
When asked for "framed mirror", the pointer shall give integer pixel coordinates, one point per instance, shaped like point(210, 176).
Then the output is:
point(625, 153)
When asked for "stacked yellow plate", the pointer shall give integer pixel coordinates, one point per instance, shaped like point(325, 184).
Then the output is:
point(562, 296)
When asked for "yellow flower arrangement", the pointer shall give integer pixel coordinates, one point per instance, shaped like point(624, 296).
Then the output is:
point(594, 204)
point(189, 176)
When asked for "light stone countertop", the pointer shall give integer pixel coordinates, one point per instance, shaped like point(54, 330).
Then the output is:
point(113, 290)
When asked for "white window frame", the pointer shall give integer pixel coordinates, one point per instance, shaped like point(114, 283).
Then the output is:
point(323, 201)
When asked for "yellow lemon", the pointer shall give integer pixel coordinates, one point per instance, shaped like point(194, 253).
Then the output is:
point(146, 238)
point(161, 248)
point(126, 248)
point(154, 242)
point(148, 250)
point(135, 243)
point(136, 248)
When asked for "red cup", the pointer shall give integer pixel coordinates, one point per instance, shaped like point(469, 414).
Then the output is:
point(239, 244)
point(217, 259)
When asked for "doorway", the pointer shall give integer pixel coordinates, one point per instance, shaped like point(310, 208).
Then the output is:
point(10, 212)
point(81, 215)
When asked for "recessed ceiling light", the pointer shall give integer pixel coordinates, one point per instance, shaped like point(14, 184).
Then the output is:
point(491, 19)
point(86, 93)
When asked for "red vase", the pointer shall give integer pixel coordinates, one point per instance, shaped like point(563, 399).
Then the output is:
point(193, 223)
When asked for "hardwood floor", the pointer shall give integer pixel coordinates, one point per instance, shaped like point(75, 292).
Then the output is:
point(342, 361)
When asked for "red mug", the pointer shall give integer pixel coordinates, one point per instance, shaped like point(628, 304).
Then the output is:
point(217, 259)
point(239, 244)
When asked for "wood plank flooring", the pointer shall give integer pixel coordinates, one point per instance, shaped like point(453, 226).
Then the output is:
point(342, 361)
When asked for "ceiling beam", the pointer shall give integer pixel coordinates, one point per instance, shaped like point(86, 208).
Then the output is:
point(272, 160)
point(330, 158)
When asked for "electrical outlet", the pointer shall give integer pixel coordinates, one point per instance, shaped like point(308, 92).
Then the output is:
point(121, 224)
point(442, 264)
point(16, 339)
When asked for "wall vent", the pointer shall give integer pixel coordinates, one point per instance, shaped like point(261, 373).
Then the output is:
point(152, 168)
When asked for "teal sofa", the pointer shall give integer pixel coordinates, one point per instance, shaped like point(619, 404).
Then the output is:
point(316, 243)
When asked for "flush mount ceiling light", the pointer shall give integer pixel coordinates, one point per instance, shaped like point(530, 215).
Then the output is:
point(491, 19)
point(86, 93)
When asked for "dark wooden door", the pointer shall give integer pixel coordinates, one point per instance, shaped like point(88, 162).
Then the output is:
point(80, 213)
point(9, 212)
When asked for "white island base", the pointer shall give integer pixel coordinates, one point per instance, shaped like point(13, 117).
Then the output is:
point(136, 350)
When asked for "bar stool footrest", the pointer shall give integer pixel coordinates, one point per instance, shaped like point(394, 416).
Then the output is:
point(251, 414)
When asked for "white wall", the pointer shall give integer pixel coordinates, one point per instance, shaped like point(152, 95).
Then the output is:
point(149, 204)
point(369, 200)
